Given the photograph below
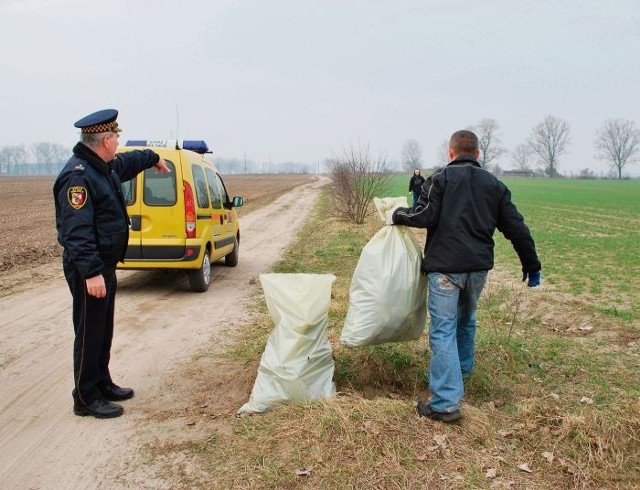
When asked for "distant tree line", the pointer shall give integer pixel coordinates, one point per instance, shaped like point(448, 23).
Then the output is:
point(37, 159)
point(49, 158)
point(617, 143)
point(227, 166)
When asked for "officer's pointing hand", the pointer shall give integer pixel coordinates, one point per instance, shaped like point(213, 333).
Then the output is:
point(161, 167)
point(96, 287)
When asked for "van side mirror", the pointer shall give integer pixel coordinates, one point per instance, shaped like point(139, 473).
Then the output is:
point(237, 201)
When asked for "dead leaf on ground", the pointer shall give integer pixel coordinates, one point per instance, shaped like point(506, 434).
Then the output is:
point(504, 432)
point(371, 428)
point(502, 484)
point(190, 422)
point(548, 456)
point(585, 328)
point(525, 467)
point(555, 396)
point(586, 400)
point(421, 457)
point(491, 473)
point(303, 472)
point(451, 476)
point(440, 439)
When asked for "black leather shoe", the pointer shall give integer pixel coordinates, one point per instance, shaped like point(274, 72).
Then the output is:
point(116, 394)
point(425, 410)
point(100, 409)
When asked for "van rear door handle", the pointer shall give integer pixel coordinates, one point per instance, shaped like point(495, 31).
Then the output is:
point(136, 222)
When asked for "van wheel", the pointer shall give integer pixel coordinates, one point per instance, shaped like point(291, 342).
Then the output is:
point(199, 279)
point(231, 259)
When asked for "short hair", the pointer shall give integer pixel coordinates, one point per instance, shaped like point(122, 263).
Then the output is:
point(92, 140)
point(464, 141)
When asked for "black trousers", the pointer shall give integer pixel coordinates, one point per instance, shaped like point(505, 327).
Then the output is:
point(416, 196)
point(93, 326)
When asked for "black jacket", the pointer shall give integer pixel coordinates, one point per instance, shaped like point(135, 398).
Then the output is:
point(91, 217)
point(461, 205)
point(415, 184)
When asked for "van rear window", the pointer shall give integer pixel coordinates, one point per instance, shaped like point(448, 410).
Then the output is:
point(201, 187)
point(159, 189)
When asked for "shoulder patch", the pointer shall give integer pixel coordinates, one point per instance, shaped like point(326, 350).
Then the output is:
point(79, 167)
point(77, 196)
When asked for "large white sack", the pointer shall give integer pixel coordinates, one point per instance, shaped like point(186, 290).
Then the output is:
point(297, 363)
point(387, 296)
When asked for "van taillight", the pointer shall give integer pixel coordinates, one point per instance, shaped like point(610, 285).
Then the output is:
point(189, 211)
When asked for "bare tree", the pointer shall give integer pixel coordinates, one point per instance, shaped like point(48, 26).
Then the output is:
point(618, 142)
point(50, 155)
point(4, 160)
point(411, 155)
point(13, 159)
point(522, 155)
point(488, 141)
point(549, 140)
point(443, 154)
point(357, 178)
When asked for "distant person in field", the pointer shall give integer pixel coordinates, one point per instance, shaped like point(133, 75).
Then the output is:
point(93, 228)
point(415, 186)
point(461, 205)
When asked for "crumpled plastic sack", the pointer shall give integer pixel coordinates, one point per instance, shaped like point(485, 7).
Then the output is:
point(297, 363)
point(387, 295)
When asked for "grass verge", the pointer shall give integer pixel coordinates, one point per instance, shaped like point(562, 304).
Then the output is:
point(553, 401)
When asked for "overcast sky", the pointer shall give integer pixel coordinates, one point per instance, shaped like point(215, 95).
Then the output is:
point(298, 80)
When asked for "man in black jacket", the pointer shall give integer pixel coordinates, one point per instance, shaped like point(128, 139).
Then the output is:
point(461, 205)
point(93, 228)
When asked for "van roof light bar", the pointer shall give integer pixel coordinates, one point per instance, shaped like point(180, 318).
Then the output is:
point(197, 146)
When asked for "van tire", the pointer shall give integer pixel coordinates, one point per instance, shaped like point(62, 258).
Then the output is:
point(231, 259)
point(199, 279)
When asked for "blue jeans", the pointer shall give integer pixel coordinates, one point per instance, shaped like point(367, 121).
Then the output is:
point(452, 333)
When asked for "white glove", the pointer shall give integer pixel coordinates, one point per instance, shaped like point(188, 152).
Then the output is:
point(389, 214)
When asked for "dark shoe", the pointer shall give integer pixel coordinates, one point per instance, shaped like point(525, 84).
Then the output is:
point(425, 410)
point(100, 409)
point(116, 394)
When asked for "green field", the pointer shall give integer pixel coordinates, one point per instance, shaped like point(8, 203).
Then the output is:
point(587, 233)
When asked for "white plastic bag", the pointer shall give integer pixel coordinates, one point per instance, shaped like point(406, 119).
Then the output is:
point(297, 363)
point(387, 296)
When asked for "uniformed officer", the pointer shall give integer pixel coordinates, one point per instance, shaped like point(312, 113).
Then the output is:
point(93, 228)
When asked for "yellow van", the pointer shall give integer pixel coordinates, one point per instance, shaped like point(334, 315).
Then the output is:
point(184, 219)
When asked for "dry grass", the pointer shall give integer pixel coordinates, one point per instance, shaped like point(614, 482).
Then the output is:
point(550, 405)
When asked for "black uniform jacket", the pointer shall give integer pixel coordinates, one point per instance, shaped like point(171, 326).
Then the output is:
point(91, 217)
point(415, 184)
point(461, 205)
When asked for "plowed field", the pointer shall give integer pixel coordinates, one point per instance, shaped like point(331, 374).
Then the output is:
point(27, 216)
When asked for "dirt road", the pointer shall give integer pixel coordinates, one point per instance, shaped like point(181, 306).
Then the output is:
point(159, 324)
